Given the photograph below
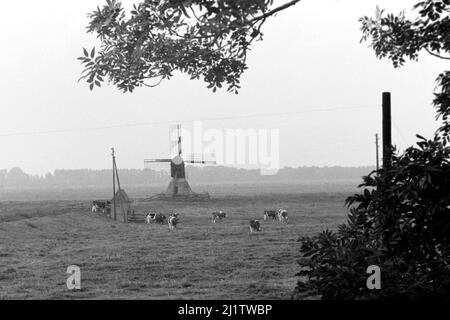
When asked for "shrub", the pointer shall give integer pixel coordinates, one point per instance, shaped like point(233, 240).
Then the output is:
point(400, 222)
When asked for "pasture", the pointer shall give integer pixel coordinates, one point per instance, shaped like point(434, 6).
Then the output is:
point(199, 260)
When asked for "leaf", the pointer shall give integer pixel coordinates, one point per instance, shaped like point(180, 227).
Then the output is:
point(184, 10)
point(82, 77)
point(85, 53)
point(420, 137)
point(93, 53)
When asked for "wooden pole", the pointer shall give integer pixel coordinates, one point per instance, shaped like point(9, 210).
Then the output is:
point(377, 152)
point(114, 184)
point(387, 135)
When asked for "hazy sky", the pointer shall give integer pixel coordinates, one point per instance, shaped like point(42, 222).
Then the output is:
point(310, 58)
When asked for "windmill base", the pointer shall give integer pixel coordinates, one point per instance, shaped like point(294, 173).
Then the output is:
point(190, 197)
point(177, 187)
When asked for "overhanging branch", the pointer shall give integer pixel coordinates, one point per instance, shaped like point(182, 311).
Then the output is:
point(436, 55)
point(278, 9)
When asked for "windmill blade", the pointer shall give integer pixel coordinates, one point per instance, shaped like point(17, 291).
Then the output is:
point(201, 161)
point(163, 167)
point(156, 160)
point(175, 140)
point(179, 139)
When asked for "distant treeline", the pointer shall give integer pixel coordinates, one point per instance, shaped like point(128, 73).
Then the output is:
point(16, 178)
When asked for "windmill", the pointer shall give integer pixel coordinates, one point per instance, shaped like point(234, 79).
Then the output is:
point(178, 185)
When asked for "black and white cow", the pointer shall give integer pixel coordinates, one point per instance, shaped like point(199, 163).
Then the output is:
point(100, 205)
point(255, 226)
point(95, 208)
point(282, 215)
point(160, 218)
point(149, 217)
point(173, 221)
point(270, 214)
point(218, 215)
point(174, 214)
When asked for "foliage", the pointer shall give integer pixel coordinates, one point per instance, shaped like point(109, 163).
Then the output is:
point(398, 38)
point(401, 221)
point(206, 39)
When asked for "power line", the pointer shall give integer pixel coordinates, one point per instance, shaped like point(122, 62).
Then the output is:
point(399, 132)
point(144, 124)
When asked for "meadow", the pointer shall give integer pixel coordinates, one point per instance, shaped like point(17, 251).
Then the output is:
point(199, 260)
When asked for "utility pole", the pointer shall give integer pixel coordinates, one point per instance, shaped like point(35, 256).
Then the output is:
point(387, 135)
point(114, 183)
point(377, 151)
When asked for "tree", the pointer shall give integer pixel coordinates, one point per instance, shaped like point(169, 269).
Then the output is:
point(206, 39)
point(17, 178)
point(401, 221)
point(3, 174)
point(398, 38)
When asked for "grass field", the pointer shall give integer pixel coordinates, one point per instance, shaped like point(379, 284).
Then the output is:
point(199, 260)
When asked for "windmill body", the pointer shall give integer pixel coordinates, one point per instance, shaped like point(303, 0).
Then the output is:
point(178, 184)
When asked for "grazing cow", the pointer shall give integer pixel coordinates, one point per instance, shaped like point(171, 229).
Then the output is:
point(270, 214)
point(174, 214)
point(218, 215)
point(149, 217)
point(255, 226)
point(173, 221)
point(100, 205)
point(160, 218)
point(282, 215)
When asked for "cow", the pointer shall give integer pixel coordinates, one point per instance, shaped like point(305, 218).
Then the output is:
point(160, 218)
point(255, 226)
point(100, 205)
point(174, 214)
point(282, 215)
point(270, 214)
point(149, 217)
point(172, 221)
point(218, 215)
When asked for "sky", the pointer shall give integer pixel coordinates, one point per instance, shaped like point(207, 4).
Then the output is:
point(310, 59)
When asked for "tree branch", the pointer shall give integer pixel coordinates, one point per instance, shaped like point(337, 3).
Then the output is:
point(153, 85)
point(278, 9)
point(436, 55)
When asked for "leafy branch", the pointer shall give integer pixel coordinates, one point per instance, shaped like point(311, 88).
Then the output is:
point(205, 39)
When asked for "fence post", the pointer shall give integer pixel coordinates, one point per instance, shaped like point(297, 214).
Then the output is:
point(387, 133)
